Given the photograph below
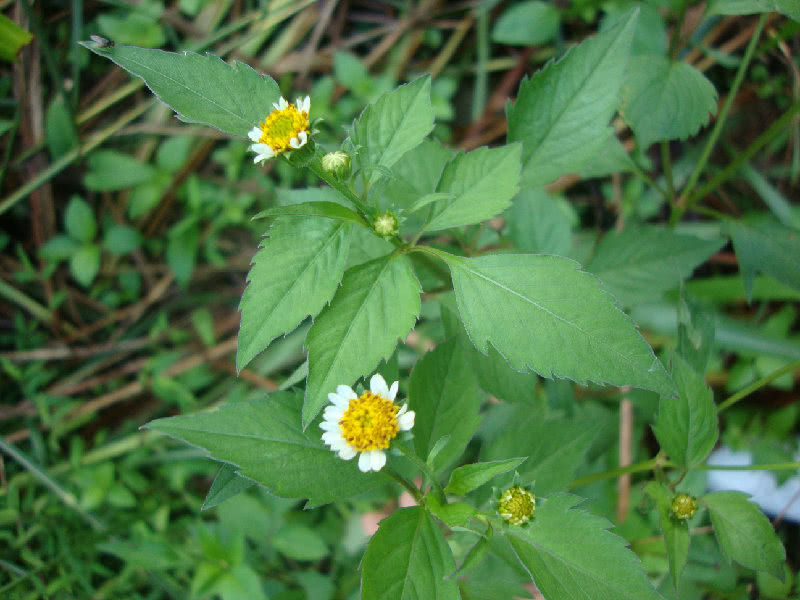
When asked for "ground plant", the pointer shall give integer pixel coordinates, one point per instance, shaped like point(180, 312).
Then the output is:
point(527, 289)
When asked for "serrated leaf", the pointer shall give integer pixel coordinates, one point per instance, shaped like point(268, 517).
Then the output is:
point(265, 441)
point(443, 391)
point(201, 89)
point(561, 114)
point(572, 554)
point(611, 157)
point(744, 533)
point(226, 484)
point(482, 183)
point(466, 478)
point(664, 99)
point(294, 274)
point(640, 264)
point(790, 8)
point(393, 125)
point(676, 533)
point(687, 427)
point(765, 245)
point(475, 555)
point(541, 222)
point(407, 559)
point(323, 209)
point(417, 173)
point(545, 314)
point(377, 303)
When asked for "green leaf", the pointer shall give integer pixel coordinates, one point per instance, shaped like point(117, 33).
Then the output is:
point(182, 254)
point(327, 210)
point(453, 514)
point(641, 263)
point(611, 157)
point(526, 24)
point(393, 125)
point(561, 114)
point(676, 532)
point(12, 39)
point(443, 391)
point(294, 274)
point(571, 554)
point(664, 99)
point(60, 131)
point(468, 477)
point(790, 8)
point(266, 443)
point(110, 170)
point(762, 244)
point(226, 484)
point(298, 542)
point(490, 590)
point(416, 174)
point(545, 314)
point(377, 303)
point(59, 247)
point(687, 427)
point(744, 533)
point(79, 220)
point(482, 183)
point(85, 264)
point(121, 239)
point(475, 555)
point(201, 89)
point(407, 559)
point(540, 222)
point(132, 27)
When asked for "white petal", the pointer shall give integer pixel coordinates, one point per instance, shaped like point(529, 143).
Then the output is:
point(303, 138)
point(329, 426)
point(282, 103)
point(347, 453)
point(294, 143)
point(338, 446)
point(332, 413)
point(377, 385)
point(261, 158)
point(406, 421)
point(377, 460)
point(254, 134)
point(304, 105)
point(364, 462)
point(331, 437)
point(393, 391)
point(345, 391)
point(338, 401)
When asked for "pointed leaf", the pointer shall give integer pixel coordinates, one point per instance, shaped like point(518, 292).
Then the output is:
point(377, 303)
point(466, 478)
point(545, 314)
point(790, 8)
point(571, 554)
point(294, 274)
point(541, 222)
point(201, 89)
point(407, 559)
point(264, 440)
point(561, 114)
point(226, 484)
point(323, 209)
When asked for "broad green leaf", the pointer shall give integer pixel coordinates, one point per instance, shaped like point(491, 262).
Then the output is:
point(327, 210)
point(377, 303)
point(640, 264)
point(561, 114)
point(443, 391)
point(545, 314)
point(611, 157)
point(466, 478)
point(417, 173)
point(526, 24)
point(730, 288)
point(765, 245)
point(407, 559)
point(651, 31)
point(664, 99)
point(676, 533)
point(476, 555)
point(122, 239)
point(226, 484)
point(453, 514)
point(299, 542)
point(294, 274)
point(541, 222)
point(482, 183)
point(572, 554)
point(60, 133)
point(393, 125)
point(490, 590)
point(744, 533)
point(555, 448)
point(110, 170)
point(790, 8)
point(687, 427)
point(265, 441)
point(79, 220)
point(12, 39)
point(182, 254)
point(201, 89)
point(59, 247)
point(85, 264)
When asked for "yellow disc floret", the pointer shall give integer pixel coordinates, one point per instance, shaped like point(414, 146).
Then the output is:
point(516, 505)
point(280, 126)
point(369, 423)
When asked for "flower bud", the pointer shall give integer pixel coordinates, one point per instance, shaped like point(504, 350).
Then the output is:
point(516, 506)
point(337, 164)
point(386, 225)
point(683, 507)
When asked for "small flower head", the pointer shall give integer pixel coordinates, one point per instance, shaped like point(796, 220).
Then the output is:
point(285, 128)
point(386, 225)
point(516, 505)
point(337, 164)
point(683, 507)
point(365, 424)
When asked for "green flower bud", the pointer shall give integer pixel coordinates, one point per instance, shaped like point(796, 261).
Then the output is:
point(386, 225)
point(337, 164)
point(516, 506)
point(683, 507)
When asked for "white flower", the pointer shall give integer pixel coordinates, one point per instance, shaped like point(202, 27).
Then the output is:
point(285, 128)
point(365, 424)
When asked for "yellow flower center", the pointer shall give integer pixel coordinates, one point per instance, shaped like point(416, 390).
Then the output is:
point(281, 126)
point(516, 505)
point(369, 423)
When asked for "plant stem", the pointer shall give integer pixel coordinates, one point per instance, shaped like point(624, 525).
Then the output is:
point(789, 466)
point(666, 164)
point(647, 465)
point(682, 203)
point(411, 455)
point(412, 489)
point(757, 384)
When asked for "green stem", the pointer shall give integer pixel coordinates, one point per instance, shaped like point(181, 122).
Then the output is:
point(411, 455)
point(410, 487)
point(757, 384)
point(315, 166)
point(682, 202)
point(9, 292)
point(647, 465)
point(789, 466)
point(666, 164)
